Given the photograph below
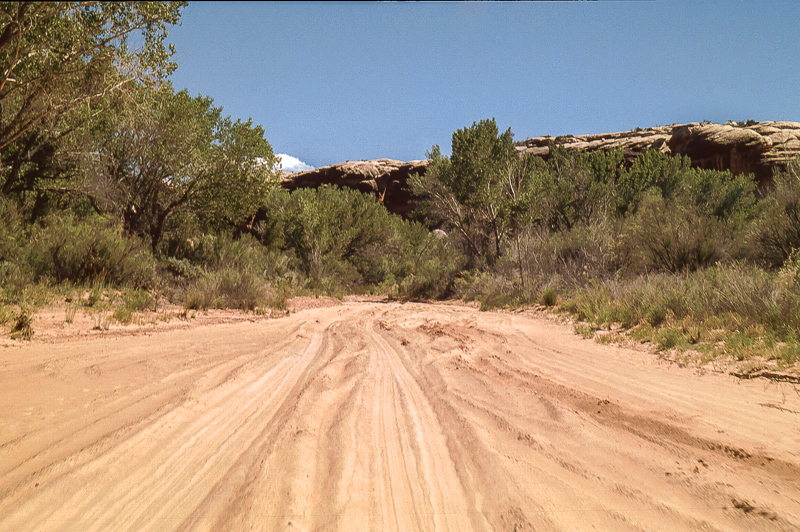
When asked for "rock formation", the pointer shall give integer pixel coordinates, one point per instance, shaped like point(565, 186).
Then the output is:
point(385, 178)
point(756, 148)
point(740, 148)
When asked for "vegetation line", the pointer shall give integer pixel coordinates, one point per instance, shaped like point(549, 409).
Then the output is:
point(118, 193)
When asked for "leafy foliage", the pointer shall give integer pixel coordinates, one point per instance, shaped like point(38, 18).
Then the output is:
point(474, 192)
point(226, 288)
point(650, 169)
point(703, 222)
point(161, 154)
point(329, 229)
point(57, 61)
point(70, 249)
point(12, 233)
point(778, 232)
point(573, 188)
point(415, 262)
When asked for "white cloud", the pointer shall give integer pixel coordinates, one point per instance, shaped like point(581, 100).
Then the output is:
point(293, 164)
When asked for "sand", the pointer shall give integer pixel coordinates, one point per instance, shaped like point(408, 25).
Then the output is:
point(371, 415)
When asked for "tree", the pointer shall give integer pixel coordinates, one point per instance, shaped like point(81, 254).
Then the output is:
point(330, 228)
point(474, 190)
point(242, 169)
point(157, 153)
point(706, 217)
point(778, 228)
point(58, 60)
point(651, 168)
point(574, 188)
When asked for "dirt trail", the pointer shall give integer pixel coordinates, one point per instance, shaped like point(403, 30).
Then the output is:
point(387, 416)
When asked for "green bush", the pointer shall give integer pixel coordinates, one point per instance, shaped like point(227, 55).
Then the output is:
point(574, 188)
point(226, 288)
point(650, 169)
point(70, 249)
point(22, 327)
point(13, 240)
point(736, 297)
point(179, 269)
point(481, 194)
point(214, 251)
point(123, 314)
point(217, 271)
point(139, 300)
point(674, 236)
point(778, 228)
point(332, 233)
point(418, 262)
point(691, 230)
point(571, 258)
point(549, 297)
point(15, 275)
point(668, 338)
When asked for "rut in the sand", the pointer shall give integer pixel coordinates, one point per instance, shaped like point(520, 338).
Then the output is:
point(387, 416)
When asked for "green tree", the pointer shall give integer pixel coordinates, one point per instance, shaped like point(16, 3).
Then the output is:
point(157, 154)
point(473, 192)
point(778, 227)
point(650, 169)
point(329, 229)
point(58, 61)
point(241, 170)
point(573, 187)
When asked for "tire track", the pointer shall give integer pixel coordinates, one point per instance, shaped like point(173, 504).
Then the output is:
point(387, 416)
point(183, 442)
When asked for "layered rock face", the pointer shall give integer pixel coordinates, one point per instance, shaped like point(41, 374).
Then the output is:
point(385, 178)
point(756, 148)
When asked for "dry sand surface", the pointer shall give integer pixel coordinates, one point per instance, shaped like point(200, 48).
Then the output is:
point(385, 416)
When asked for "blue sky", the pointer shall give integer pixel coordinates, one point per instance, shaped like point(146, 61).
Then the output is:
point(331, 82)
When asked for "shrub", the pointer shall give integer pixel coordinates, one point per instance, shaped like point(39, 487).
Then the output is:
point(215, 251)
point(226, 288)
point(12, 233)
point(15, 280)
point(650, 169)
point(675, 236)
point(331, 232)
point(656, 315)
point(574, 188)
point(736, 297)
point(180, 269)
point(420, 263)
point(778, 228)
point(70, 249)
point(139, 300)
point(668, 339)
point(549, 297)
point(22, 327)
point(123, 314)
point(564, 260)
point(704, 220)
point(15, 275)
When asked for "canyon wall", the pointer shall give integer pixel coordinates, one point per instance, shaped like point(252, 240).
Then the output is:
point(756, 148)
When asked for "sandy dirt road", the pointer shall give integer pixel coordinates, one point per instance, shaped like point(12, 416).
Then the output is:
point(387, 416)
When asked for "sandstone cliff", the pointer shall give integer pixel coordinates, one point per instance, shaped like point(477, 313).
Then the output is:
point(756, 148)
point(385, 178)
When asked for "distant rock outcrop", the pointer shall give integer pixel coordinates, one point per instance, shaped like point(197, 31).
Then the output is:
point(757, 147)
point(385, 178)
